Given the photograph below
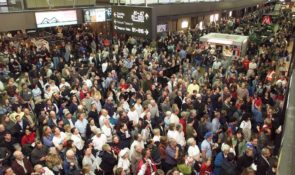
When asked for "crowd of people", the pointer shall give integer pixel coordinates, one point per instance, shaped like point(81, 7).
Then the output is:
point(91, 104)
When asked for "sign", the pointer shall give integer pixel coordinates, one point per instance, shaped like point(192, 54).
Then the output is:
point(161, 28)
point(56, 18)
point(134, 21)
point(3, 2)
point(97, 15)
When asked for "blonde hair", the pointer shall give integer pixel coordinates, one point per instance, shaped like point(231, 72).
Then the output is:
point(105, 147)
point(190, 141)
point(156, 131)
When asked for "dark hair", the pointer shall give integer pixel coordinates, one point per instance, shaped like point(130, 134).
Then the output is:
point(144, 151)
point(230, 156)
point(73, 130)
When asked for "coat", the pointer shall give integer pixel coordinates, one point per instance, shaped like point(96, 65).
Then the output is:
point(244, 162)
point(143, 169)
point(228, 168)
point(19, 170)
point(262, 166)
point(108, 161)
point(217, 163)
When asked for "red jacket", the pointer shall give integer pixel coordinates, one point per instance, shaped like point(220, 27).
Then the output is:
point(148, 169)
point(28, 139)
point(205, 170)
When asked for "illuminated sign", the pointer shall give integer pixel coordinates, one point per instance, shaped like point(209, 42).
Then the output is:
point(56, 18)
point(97, 15)
point(134, 21)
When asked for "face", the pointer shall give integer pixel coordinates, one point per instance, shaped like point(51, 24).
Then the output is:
point(255, 142)
point(116, 140)
point(148, 153)
point(9, 171)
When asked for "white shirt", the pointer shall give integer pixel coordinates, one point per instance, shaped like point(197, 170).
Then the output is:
point(180, 139)
point(124, 163)
point(64, 84)
point(59, 140)
point(193, 151)
point(138, 108)
point(101, 120)
point(77, 141)
point(90, 160)
point(98, 142)
point(133, 116)
point(174, 119)
point(107, 131)
point(172, 134)
point(47, 171)
point(246, 125)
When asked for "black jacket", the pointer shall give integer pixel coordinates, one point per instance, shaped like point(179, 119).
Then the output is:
point(228, 168)
point(108, 161)
point(244, 162)
point(262, 166)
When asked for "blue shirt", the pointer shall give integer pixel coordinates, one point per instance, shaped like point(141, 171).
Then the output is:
point(182, 54)
point(206, 146)
point(170, 158)
point(81, 126)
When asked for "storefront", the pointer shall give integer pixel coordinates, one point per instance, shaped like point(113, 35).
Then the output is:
point(228, 45)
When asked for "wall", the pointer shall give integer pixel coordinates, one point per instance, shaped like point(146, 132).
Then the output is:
point(24, 20)
point(17, 21)
point(34, 4)
point(202, 7)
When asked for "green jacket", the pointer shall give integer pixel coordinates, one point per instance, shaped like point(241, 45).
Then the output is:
point(185, 169)
point(241, 146)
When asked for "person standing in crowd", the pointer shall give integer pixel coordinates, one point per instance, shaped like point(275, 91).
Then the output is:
point(21, 165)
point(108, 159)
point(146, 166)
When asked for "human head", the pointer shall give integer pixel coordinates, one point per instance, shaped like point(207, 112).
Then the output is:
point(9, 171)
point(39, 169)
point(18, 155)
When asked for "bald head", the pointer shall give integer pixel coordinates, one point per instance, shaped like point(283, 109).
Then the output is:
point(18, 155)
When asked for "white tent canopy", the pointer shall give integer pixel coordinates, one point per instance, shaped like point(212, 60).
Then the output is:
point(225, 39)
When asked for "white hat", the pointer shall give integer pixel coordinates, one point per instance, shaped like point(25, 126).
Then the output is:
point(225, 147)
point(168, 113)
point(123, 152)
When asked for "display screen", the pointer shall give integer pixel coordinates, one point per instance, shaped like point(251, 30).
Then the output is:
point(134, 21)
point(161, 28)
point(97, 15)
point(56, 18)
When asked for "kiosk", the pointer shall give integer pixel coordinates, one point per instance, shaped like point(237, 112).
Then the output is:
point(228, 45)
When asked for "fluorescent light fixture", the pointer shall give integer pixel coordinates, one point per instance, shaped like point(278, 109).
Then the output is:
point(220, 41)
point(184, 24)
